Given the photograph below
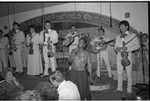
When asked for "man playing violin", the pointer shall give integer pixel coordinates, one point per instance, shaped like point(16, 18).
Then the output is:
point(103, 52)
point(48, 36)
point(121, 47)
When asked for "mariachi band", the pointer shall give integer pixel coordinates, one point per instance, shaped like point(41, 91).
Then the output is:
point(41, 46)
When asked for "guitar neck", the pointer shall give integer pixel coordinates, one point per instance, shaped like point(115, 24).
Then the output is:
point(109, 41)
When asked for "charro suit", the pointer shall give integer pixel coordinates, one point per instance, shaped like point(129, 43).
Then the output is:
point(131, 46)
point(49, 63)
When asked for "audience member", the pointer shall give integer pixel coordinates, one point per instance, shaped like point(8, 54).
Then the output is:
point(9, 87)
point(67, 90)
point(47, 91)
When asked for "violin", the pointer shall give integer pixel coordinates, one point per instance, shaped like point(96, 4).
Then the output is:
point(124, 54)
point(31, 51)
point(50, 53)
point(124, 61)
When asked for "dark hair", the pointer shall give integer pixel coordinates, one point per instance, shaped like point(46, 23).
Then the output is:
point(32, 26)
point(15, 23)
point(85, 41)
point(5, 71)
point(126, 23)
point(1, 31)
point(101, 29)
point(57, 75)
point(47, 21)
point(73, 25)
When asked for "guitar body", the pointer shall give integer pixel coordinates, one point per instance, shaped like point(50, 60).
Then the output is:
point(125, 61)
point(50, 53)
point(70, 40)
point(98, 46)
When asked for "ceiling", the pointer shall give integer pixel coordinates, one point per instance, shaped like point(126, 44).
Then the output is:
point(16, 7)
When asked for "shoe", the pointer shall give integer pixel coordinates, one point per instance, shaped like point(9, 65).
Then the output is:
point(43, 76)
point(118, 90)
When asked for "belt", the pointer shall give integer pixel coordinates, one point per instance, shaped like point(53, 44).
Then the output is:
point(79, 69)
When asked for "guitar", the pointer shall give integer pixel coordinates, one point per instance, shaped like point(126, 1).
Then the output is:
point(102, 45)
point(70, 40)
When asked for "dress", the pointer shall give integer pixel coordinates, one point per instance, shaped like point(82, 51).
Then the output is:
point(79, 75)
point(34, 63)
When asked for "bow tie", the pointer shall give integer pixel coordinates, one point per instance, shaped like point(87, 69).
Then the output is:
point(101, 38)
point(123, 35)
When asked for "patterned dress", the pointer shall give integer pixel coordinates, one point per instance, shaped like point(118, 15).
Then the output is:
point(81, 63)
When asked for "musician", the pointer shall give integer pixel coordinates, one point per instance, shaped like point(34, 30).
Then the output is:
point(133, 44)
point(17, 49)
point(103, 54)
point(10, 49)
point(48, 36)
point(143, 58)
point(75, 36)
point(34, 64)
point(3, 49)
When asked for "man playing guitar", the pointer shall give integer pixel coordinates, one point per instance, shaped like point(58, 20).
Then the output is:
point(72, 39)
point(102, 51)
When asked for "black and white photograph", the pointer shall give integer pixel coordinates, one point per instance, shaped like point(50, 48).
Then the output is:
point(74, 50)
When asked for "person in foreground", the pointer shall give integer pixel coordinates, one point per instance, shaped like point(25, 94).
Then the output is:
point(47, 91)
point(80, 62)
point(9, 87)
point(67, 90)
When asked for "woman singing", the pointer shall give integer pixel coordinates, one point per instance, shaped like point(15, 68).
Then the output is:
point(81, 63)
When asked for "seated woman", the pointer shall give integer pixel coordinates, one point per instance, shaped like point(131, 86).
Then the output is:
point(9, 87)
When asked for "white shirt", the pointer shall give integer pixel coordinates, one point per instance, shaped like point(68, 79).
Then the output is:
point(19, 37)
point(52, 34)
point(67, 90)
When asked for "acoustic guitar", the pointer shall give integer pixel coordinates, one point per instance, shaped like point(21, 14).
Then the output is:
point(102, 45)
point(70, 40)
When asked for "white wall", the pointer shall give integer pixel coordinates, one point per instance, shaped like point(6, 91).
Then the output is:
point(138, 12)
